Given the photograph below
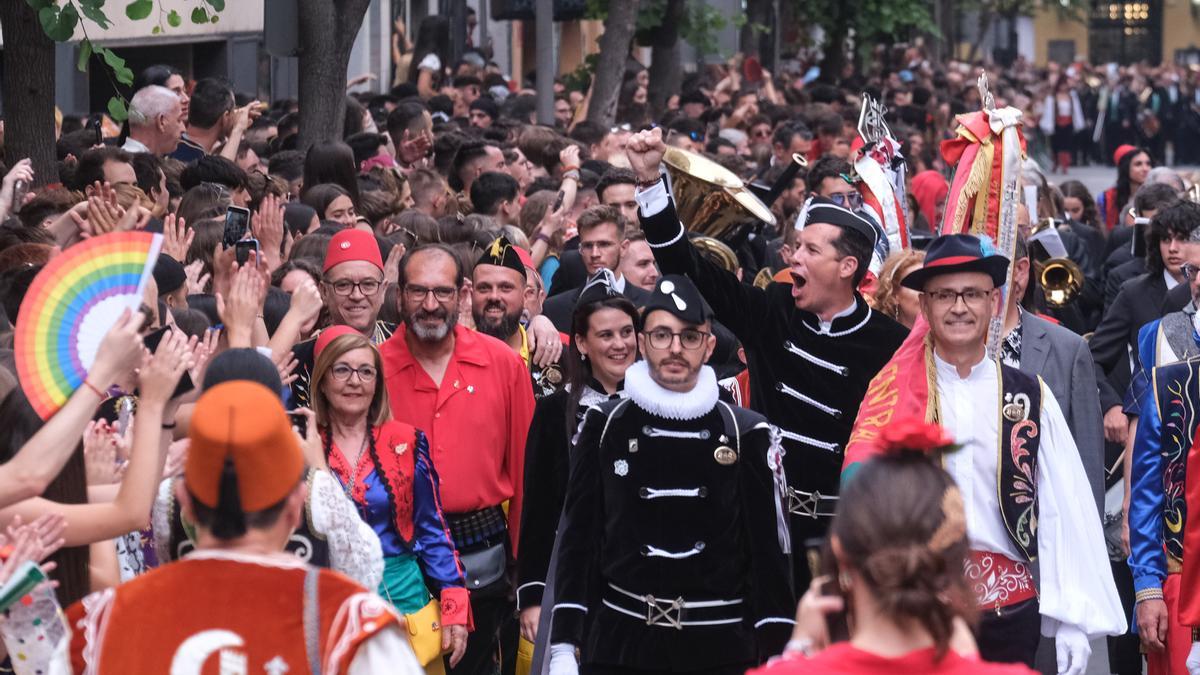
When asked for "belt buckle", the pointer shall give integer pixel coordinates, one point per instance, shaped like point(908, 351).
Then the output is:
point(659, 612)
point(804, 503)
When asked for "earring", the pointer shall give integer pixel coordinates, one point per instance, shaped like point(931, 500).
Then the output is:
point(844, 581)
point(583, 356)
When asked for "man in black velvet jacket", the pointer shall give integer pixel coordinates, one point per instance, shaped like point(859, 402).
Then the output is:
point(812, 346)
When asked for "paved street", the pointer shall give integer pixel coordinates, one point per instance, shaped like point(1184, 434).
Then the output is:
point(1098, 178)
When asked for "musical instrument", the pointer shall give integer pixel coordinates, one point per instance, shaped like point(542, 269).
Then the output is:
point(1193, 193)
point(718, 252)
point(1060, 277)
point(710, 199)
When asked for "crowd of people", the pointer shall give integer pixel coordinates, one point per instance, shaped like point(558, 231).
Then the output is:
point(459, 392)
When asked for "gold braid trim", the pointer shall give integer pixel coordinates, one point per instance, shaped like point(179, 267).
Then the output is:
point(985, 159)
point(954, 521)
point(933, 410)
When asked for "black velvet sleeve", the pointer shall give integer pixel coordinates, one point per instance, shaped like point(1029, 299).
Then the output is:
point(737, 305)
point(546, 460)
point(1109, 346)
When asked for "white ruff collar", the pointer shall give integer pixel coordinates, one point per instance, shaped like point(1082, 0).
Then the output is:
point(673, 405)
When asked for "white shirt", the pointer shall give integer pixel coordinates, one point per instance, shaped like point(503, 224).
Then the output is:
point(1172, 282)
point(134, 145)
point(826, 325)
point(1075, 580)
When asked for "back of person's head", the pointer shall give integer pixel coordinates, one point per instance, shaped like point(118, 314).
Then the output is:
point(600, 215)
point(1167, 176)
point(900, 525)
point(589, 132)
point(468, 152)
point(204, 202)
point(47, 204)
point(365, 145)
point(331, 162)
point(491, 188)
point(213, 169)
point(149, 103)
point(242, 364)
point(90, 168)
point(192, 322)
point(75, 143)
point(287, 164)
point(828, 166)
point(211, 99)
point(1154, 197)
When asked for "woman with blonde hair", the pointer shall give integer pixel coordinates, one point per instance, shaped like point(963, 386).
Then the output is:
point(892, 299)
point(386, 469)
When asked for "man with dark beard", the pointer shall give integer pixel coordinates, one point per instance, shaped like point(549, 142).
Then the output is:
point(469, 393)
point(498, 297)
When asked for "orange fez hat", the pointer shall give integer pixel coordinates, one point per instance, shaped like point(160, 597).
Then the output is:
point(245, 423)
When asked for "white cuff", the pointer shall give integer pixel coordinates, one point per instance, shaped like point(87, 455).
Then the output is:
point(653, 199)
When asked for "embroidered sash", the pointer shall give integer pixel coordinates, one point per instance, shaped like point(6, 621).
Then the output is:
point(1016, 480)
point(998, 581)
point(1176, 395)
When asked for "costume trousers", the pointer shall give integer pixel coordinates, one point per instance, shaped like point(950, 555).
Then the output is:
point(596, 669)
point(1010, 634)
point(1179, 638)
point(1124, 654)
point(491, 606)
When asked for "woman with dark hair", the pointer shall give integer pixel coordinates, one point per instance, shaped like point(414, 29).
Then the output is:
point(331, 162)
point(1133, 166)
point(386, 469)
point(431, 55)
point(331, 202)
point(331, 535)
point(300, 219)
point(1079, 205)
point(895, 557)
point(603, 345)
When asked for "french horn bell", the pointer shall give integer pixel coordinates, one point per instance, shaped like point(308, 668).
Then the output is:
point(710, 199)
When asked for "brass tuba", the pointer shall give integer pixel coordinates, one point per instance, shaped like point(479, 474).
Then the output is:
point(710, 199)
point(1061, 278)
point(718, 252)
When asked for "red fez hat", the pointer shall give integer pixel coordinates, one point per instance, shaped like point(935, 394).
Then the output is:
point(1121, 151)
point(350, 245)
point(329, 335)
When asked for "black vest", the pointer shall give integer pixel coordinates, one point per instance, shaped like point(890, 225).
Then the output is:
point(1020, 431)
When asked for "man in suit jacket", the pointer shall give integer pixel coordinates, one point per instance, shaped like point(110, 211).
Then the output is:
point(601, 243)
point(1061, 358)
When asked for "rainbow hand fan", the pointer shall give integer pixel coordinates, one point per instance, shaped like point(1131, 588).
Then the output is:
point(70, 307)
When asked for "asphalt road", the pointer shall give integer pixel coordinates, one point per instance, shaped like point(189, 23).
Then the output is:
point(1097, 178)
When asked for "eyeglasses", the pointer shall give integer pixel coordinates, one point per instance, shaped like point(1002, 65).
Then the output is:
point(847, 200)
point(1189, 271)
point(970, 296)
point(689, 338)
point(342, 372)
point(346, 286)
point(419, 293)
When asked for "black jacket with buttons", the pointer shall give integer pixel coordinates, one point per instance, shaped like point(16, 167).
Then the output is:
point(717, 536)
point(807, 382)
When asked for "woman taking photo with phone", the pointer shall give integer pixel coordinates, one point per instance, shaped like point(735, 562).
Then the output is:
point(385, 468)
point(895, 581)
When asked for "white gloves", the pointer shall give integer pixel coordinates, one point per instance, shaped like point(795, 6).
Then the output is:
point(1073, 649)
point(562, 660)
point(1193, 660)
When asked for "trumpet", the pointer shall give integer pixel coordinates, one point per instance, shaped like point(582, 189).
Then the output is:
point(1060, 278)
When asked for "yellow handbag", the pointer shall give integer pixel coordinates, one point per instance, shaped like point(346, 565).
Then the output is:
point(524, 656)
point(425, 632)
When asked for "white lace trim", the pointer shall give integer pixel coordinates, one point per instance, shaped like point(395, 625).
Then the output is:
point(354, 548)
point(94, 623)
point(672, 405)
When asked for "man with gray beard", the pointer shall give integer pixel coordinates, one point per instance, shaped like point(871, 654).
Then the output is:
point(470, 394)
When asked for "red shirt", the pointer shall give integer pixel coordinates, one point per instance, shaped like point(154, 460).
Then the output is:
point(844, 659)
point(476, 421)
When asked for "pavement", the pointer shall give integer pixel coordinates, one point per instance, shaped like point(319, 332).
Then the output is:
point(1097, 178)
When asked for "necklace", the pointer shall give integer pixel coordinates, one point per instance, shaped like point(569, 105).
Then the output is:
point(354, 469)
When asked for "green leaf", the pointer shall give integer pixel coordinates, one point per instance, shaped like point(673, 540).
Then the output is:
point(156, 30)
point(215, 18)
point(85, 55)
point(38, 5)
point(59, 24)
point(94, 11)
point(117, 109)
point(217, 5)
point(139, 9)
point(173, 19)
point(122, 72)
point(199, 15)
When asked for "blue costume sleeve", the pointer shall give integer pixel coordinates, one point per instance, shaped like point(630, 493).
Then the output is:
point(1147, 560)
point(431, 536)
